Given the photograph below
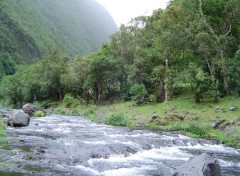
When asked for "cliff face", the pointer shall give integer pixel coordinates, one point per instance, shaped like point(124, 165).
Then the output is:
point(28, 28)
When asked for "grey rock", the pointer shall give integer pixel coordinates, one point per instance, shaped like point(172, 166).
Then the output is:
point(30, 109)
point(202, 165)
point(4, 113)
point(233, 108)
point(18, 119)
point(154, 118)
point(217, 123)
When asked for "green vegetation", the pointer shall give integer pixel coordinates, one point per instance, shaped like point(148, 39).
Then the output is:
point(3, 140)
point(118, 119)
point(39, 114)
point(152, 59)
point(181, 114)
point(138, 92)
point(192, 129)
point(29, 28)
point(187, 56)
point(90, 114)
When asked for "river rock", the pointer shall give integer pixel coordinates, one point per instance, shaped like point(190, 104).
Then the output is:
point(18, 119)
point(217, 123)
point(5, 113)
point(30, 109)
point(233, 108)
point(202, 165)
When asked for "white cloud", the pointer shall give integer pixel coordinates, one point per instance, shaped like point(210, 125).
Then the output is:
point(123, 10)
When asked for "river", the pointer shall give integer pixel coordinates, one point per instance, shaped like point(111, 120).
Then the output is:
point(65, 145)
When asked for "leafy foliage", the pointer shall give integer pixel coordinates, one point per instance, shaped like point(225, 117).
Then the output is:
point(27, 84)
point(39, 114)
point(118, 119)
point(138, 92)
point(191, 44)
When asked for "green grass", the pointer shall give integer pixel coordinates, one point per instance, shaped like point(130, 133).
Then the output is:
point(3, 139)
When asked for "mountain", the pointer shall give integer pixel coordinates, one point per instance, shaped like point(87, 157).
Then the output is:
point(29, 28)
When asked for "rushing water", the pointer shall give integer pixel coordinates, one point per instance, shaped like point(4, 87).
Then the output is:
point(63, 145)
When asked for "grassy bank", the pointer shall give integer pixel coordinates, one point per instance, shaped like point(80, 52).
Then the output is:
point(3, 140)
point(181, 114)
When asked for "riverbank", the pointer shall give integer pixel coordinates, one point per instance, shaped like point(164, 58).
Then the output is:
point(73, 145)
point(217, 121)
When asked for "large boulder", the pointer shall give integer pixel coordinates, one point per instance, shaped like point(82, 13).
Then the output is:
point(30, 109)
point(18, 119)
point(202, 165)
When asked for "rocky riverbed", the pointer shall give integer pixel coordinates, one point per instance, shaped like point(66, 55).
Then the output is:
point(66, 145)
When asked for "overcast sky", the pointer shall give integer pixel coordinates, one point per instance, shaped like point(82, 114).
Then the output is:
point(123, 10)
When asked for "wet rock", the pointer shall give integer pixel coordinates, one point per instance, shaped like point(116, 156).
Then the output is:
point(30, 109)
point(18, 119)
point(5, 114)
point(202, 165)
point(233, 108)
point(217, 123)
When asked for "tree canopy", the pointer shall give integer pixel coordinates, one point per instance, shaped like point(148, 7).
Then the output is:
point(193, 44)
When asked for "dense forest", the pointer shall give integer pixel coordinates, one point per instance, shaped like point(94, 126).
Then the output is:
point(28, 28)
point(193, 45)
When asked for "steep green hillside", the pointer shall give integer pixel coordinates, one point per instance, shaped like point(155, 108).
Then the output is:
point(28, 28)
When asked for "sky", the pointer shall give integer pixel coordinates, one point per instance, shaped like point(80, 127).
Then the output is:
point(123, 11)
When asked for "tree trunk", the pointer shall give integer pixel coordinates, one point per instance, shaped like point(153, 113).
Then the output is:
point(162, 90)
point(224, 72)
point(166, 87)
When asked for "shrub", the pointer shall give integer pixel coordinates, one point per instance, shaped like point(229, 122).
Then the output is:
point(45, 104)
point(60, 111)
point(68, 100)
point(152, 99)
point(39, 114)
point(118, 119)
point(176, 127)
point(88, 113)
point(138, 91)
point(76, 102)
point(193, 129)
